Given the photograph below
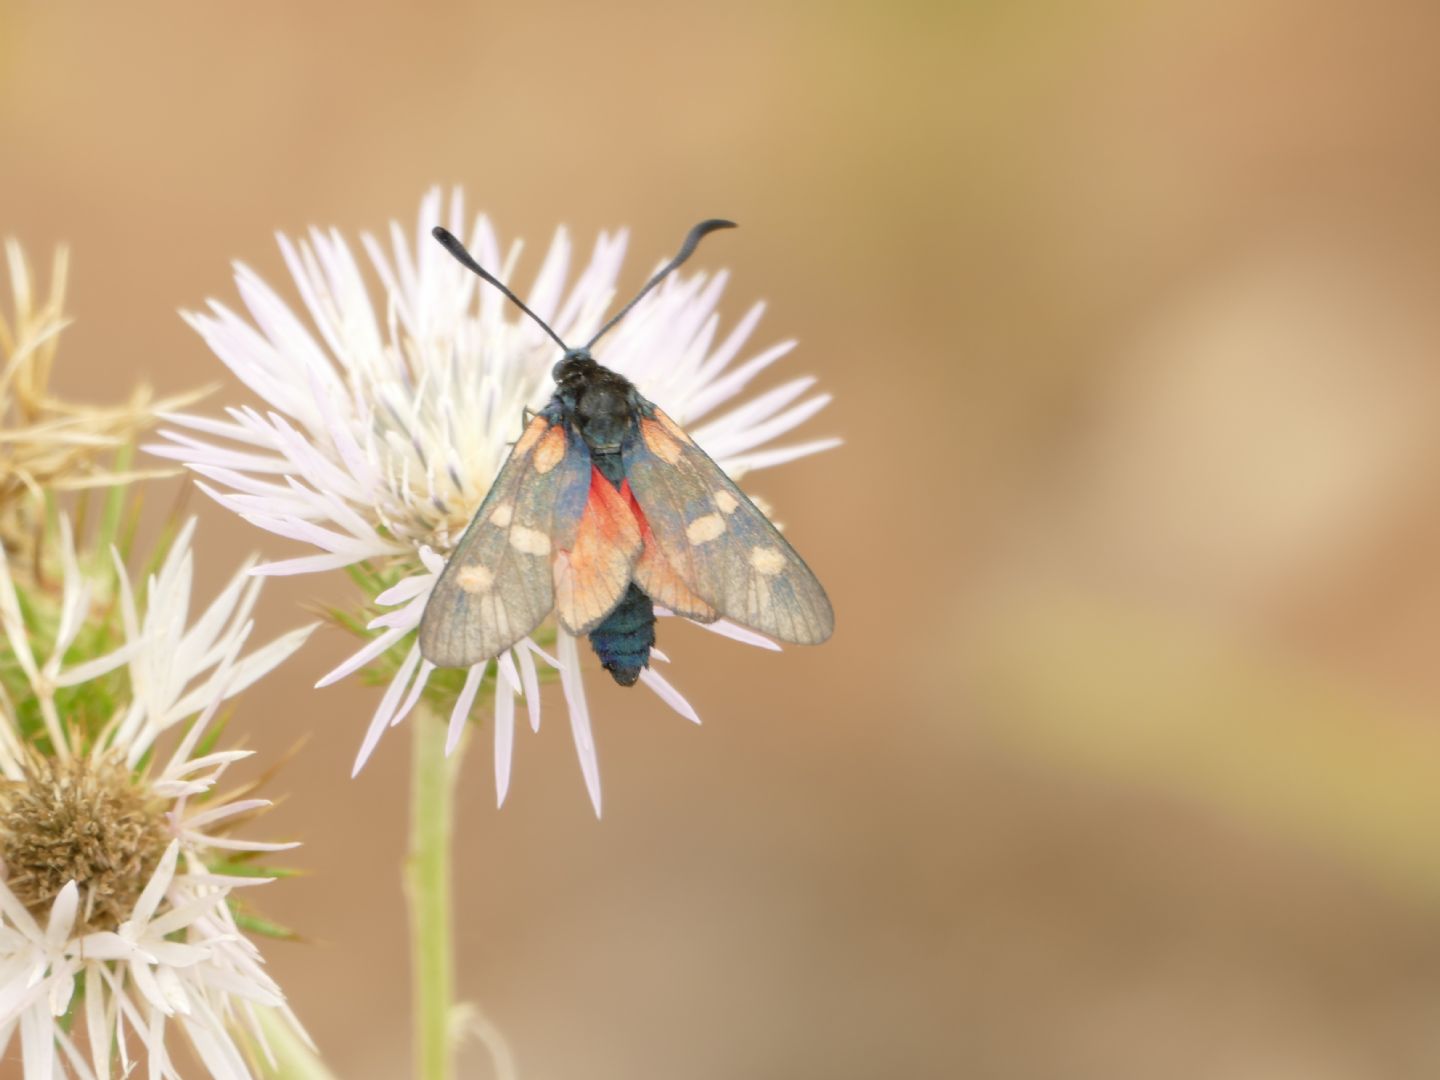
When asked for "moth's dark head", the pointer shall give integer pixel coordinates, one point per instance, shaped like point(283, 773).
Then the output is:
point(575, 363)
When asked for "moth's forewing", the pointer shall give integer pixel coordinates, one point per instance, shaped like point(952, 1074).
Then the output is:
point(592, 573)
point(715, 540)
point(497, 586)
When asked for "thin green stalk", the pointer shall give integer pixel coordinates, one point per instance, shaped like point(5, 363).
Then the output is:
point(294, 1059)
point(114, 511)
point(427, 887)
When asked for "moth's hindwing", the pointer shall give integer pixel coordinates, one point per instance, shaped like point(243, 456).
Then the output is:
point(592, 573)
point(718, 544)
point(497, 586)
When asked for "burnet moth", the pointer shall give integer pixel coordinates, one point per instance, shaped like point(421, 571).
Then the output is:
point(605, 508)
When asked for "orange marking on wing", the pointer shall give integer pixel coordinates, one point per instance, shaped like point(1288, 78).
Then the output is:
point(533, 431)
point(675, 431)
point(592, 576)
point(659, 442)
point(550, 450)
point(654, 574)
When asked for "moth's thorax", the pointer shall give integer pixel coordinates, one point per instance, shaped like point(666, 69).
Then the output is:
point(599, 402)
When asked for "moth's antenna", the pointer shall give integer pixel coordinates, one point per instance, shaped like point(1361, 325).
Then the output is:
point(692, 241)
point(454, 247)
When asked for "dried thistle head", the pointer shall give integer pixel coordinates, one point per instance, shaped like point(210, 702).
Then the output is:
point(85, 819)
point(49, 444)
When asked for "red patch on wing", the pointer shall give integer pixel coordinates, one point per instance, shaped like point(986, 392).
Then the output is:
point(654, 574)
point(592, 576)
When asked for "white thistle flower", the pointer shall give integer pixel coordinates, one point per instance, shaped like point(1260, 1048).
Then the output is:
point(106, 882)
point(385, 426)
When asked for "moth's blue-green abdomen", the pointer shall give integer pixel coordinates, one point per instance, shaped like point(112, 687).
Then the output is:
point(623, 640)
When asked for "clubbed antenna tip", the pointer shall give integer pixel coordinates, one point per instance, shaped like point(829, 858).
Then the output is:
point(456, 248)
point(692, 241)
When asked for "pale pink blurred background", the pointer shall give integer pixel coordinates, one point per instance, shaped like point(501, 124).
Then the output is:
point(1125, 759)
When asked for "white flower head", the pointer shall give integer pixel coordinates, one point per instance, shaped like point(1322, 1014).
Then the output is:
point(385, 424)
point(114, 838)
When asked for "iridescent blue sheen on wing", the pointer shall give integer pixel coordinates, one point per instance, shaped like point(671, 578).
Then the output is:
point(498, 584)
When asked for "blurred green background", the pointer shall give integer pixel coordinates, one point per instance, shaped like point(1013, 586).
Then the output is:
point(1124, 761)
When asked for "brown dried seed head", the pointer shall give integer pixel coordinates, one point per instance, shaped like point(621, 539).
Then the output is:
point(89, 821)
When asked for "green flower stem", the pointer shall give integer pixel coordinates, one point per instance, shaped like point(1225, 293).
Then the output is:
point(427, 887)
point(294, 1060)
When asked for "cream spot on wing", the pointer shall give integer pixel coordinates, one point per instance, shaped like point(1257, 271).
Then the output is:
point(726, 502)
point(704, 528)
point(501, 515)
point(550, 450)
point(475, 579)
point(767, 560)
point(529, 541)
point(659, 443)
